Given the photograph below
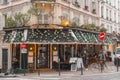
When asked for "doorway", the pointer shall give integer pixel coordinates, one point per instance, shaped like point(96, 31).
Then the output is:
point(4, 60)
point(42, 56)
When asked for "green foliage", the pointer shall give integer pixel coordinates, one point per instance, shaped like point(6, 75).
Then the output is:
point(103, 29)
point(74, 24)
point(93, 27)
point(25, 19)
point(17, 20)
point(98, 28)
point(9, 22)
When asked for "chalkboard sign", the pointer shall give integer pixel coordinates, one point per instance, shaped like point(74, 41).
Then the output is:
point(73, 62)
point(30, 59)
point(73, 67)
point(42, 62)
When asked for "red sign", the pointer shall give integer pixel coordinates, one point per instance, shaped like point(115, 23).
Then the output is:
point(102, 36)
point(23, 46)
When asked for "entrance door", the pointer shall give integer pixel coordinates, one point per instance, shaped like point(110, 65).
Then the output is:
point(42, 56)
point(4, 60)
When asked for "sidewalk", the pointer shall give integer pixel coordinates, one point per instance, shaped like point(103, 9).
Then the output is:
point(111, 68)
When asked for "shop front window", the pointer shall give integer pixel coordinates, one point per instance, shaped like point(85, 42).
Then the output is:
point(16, 55)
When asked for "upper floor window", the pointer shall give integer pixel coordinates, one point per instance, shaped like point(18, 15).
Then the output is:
point(110, 15)
point(76, 20)
point(102, 11)
point(76, 3)
point(5, 18)
point(85, 19)
point(107, 14)
point(65, 16)
point(86, 4)
point(5, 1)
point(93, 21)
point(66, 0)
point(114, 16)
point(93, 7)
point(44, 19)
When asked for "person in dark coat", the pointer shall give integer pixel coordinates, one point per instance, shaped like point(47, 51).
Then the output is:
point(15, 64)
point(85, 59)
point(102, 57)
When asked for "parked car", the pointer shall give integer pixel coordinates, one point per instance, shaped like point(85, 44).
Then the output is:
point(117, 56)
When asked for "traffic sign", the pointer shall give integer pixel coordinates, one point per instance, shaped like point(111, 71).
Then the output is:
point(102, 36)
point(23, 45)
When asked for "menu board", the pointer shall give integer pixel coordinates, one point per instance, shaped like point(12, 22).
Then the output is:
point(80, 63)
point(73, 60)
point(42, 62)
point(30, 59)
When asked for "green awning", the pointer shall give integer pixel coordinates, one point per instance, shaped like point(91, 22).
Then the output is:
point(52, 36)
point(39, 35)
point(90, 37)
point(79, 35)
point(8, 36)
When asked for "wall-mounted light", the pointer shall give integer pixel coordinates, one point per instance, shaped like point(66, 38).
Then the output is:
point(54, 48)
point(31, 48)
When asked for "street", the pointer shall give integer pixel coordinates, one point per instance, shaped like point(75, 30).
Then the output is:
point(102, 76)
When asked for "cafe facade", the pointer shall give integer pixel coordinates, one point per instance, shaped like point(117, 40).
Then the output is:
point(42, 48)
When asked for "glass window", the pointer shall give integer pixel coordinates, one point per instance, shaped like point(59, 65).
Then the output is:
point(102, 11)
point(5, 1)
point(86, 19)
point(46, 19)
point(106, 13)
point(76, 20)
point(114, 16)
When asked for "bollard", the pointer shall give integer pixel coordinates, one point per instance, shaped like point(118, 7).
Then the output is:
point(59, 67)
point(24, 72)
point(117, 65)
point(81, 69)
point(101, 66)
point(38, 72)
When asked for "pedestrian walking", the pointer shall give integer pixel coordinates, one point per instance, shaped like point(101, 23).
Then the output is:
point(85, 59)
point(102, 57)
